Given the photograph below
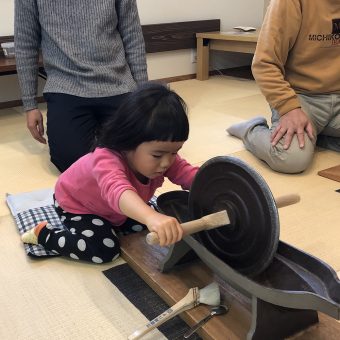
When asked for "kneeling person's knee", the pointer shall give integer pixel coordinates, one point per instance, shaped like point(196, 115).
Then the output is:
point(294, 159)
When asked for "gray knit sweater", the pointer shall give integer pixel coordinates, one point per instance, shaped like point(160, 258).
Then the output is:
point(91, 48)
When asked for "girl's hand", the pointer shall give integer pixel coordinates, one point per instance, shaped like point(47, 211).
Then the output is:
point(167, 228)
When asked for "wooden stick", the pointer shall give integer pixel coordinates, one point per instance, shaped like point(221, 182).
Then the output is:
point(204, 223)
point(218, 219)
point(285, 200)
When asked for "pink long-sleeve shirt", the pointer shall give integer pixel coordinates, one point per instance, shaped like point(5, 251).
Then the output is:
point(94, 184)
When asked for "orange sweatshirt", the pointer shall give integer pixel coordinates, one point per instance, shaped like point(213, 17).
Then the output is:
point(298, 51)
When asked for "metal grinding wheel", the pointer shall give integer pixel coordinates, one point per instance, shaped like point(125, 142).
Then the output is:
point(249, 243)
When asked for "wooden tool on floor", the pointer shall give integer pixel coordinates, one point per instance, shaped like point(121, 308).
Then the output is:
point(218, 219)
point(209, 295)
point(331, 173)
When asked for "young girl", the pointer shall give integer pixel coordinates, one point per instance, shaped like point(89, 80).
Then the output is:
point(108, 189)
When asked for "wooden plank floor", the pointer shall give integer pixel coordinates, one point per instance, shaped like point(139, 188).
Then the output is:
point(173, 286)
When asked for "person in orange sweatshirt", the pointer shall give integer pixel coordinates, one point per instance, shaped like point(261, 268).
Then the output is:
point(297, 67)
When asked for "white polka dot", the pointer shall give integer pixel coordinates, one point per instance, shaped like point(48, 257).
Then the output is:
point(113, 232)
point(108, 242)
point(58, 231)
point(55, 252)
point(97, 221)
point(88, 233)
point(96, 259)
point(76, 218)
point(62, 218)
point(115, 257)
point(61, 241)
point(137, 227)
point(47, 238)
point(81, 245)
point(73, 230)
point(74, 256)
point(56, 204)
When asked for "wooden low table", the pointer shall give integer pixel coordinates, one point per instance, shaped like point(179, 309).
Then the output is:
point(243, 42)
point(7, 65)
point(173, 286)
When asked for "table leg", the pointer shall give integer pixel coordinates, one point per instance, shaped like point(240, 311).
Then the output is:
point(202, 59)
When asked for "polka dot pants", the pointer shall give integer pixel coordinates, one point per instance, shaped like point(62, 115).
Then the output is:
point(87, 237)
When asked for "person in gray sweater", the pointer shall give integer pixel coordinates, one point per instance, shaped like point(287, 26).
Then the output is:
point(93, 54)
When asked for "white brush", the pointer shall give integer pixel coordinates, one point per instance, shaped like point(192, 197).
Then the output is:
point(209, 295)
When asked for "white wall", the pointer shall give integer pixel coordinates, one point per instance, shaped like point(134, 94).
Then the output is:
point(165, 64)
point(6, 17)
point(231, 13)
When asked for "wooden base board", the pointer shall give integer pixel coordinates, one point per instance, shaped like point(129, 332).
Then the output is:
point(239, 72)
point(331, 173)
point(173, 286)
point(14, 103)
point(243, 72)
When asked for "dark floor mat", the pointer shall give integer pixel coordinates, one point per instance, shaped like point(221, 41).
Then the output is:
point(146, 300)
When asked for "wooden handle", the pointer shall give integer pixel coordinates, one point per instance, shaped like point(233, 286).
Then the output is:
point(218, 219)
point(189, 301)
point(204, 223)
point(285, 200)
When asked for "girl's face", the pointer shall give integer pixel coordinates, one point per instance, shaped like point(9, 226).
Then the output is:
point(152, 159)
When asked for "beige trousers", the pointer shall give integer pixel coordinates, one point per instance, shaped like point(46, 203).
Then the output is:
point(324, 112)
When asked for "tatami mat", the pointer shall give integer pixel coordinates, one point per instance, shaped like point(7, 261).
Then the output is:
point(63, 299)
point(58, 298)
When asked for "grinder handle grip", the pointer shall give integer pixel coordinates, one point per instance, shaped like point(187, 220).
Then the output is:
point(206, 222)
point(214, 220)
point(285, 200)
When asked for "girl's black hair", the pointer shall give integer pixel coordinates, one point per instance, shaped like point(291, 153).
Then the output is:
point(151, 113)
